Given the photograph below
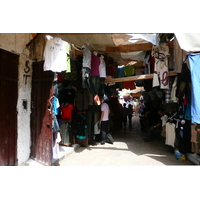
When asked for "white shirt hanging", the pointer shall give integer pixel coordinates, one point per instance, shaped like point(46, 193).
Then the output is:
point(102, 67)
point(55, 55)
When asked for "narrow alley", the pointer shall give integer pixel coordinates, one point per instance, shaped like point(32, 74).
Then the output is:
point(129, 149)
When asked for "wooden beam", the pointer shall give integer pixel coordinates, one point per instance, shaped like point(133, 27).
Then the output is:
point(134, 47)
point(137, 64)
point(135, 78)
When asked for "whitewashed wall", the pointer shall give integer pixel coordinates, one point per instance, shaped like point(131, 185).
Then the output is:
point(16, 43)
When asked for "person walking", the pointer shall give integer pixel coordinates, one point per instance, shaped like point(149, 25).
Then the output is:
point(104, 120)
point(130, 114)
point(124, 114)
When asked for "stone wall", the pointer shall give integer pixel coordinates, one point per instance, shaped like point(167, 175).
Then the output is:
point(16, 43)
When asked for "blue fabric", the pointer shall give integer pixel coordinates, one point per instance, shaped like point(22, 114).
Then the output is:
point(121, 71)
point(194, 60)
point(55, 110)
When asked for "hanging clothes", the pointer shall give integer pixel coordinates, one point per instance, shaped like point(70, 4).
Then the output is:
point(129, 85)
point(68, 68)
point(173, 92)
point(195, 145)
point(73, 75)
point(82, 99)
point(194, 60)
point(184, 82)
point(55, 55)
point(183, 136)
point(120, 70)
point(79, 127)
point(68, 95)
point(102, 67)
point(170, 130)
point(164, 119)
point(111, 71)
point(179, 56)
point(152, 63)
point(86, 56)
point(95, 62)
point(55, 149)
point(64, 133)
point(55, 106)
point(168, 92)
point(129, 70)
point(146, 63)
point(67, 111)
point(161, 54)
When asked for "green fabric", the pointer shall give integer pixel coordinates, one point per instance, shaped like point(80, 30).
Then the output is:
point(71, 76)
point(80, 137)
point(68, 60)
point(129, 70)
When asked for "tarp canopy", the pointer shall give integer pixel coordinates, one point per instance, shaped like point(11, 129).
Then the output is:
point(189, 42)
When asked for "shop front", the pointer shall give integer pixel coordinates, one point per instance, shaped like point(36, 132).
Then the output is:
point(81, 74)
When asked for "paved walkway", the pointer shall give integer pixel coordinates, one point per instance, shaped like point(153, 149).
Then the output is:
point(129, 149)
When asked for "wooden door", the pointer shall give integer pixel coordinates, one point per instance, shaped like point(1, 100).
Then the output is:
point(41, 119)
point(8, 107)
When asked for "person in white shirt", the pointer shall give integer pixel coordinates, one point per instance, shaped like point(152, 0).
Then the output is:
point(104, 120)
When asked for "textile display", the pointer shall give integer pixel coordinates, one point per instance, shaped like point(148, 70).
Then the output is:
point(161, 54)
point(66, 111)
point(170, 134)
point(194, 60)
point(55, 55)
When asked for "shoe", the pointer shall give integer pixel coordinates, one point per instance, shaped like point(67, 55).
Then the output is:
point(109, 142)
point(102, 142)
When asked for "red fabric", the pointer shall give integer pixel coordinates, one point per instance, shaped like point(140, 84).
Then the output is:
point(111, 66)
point(67, 111)
point(60, 78)
point(185, 102)
point(129, 85)
point(95, 62)
point(152, 64)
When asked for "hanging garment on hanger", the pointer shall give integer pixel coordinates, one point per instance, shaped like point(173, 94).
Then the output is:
point(161, 54)
point(73, 75)
point(194, 142)
point(55, 106)
point(129, 70)
point(79, 125)
point(183, 136)
point(120, 70)
point(184, 81)
point(129, 85)
point(146, 64)
point(82, 99)
point(95, 62)
point(102, 67)
point(55, 149)
point(64, 133)
point(86, 56)
point(173, 92)
point(66, 111)
point(194, 60)
point(170, 134)
point(55, 55)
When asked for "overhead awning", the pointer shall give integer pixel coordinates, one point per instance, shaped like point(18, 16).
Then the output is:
point(189, 42)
